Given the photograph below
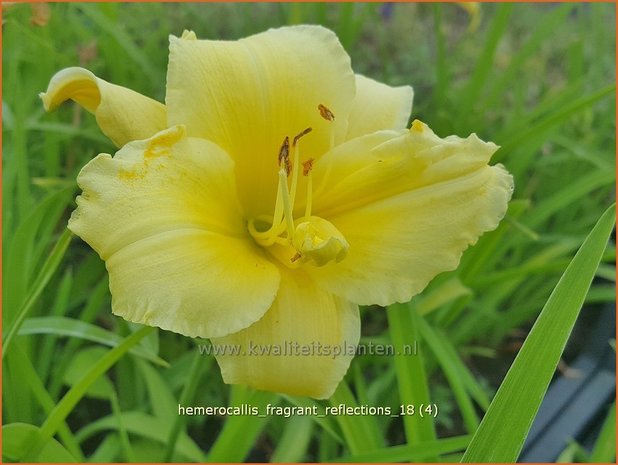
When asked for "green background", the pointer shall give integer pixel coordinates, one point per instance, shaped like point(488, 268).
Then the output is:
point(536, 79)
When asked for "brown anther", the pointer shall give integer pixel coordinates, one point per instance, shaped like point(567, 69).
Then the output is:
point(307, 166)
point(326, 113)
point(299, 135)
point(284, 155)
point(296, 257)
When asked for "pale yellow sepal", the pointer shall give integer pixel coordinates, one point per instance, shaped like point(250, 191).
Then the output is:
point(163, 215)
point(302, 346)
point(122, 114)
point(408, 203)
point(378, 106)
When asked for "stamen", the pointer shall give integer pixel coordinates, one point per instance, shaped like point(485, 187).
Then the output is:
point(284, 155)
point(307, 166)
point(326, 113)
point(300, 134)
point(267, 238)
point(313, 239)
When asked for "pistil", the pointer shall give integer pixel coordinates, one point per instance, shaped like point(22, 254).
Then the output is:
point(307, 169)
point(287, 205)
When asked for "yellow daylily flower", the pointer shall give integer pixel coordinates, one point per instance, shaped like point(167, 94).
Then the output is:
point(273, 193)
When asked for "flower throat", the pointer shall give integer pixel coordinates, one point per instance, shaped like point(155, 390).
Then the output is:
point(308, 239)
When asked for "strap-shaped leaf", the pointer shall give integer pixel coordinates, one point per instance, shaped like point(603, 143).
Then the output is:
point(505, 426)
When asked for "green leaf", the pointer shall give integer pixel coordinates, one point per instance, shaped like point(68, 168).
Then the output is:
point(240, 432)
point(447, 292)
point(16, 438)
point(505, 426)
point(146, 426)
point(102, 388)
point(161, 398)
point(420, 452)
point(451, 367)
point(198, 365)
point(73, 396)
point(483, 66)
point(544, 30)
point(569, 194)
point(118, 34)
point(107, 450)
point(326, 423)
point(27, 248)
point(604, 450)
point(292, 446)
point(63, 326)
point(542, 126)
point(411, 378)
point(47, 271)
point(28, 376)
point(360, 432)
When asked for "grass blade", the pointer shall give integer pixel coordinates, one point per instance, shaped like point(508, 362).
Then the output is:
point(484, 64)
point(522, 391)
point(540, 127)
point(449, 365)
point(605, 448)
point(360, 432)
point(195, 372)
point(240, 432)
point(411, 378)
point(52, 262)
point(15, 438)
point(73, 396)
point(124, 40)
point(408, 453)
point(294, 442)
point(32, 380)
point(62, 326)
point(142, 425)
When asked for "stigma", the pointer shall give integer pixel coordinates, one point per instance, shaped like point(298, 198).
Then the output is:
point(307, 239)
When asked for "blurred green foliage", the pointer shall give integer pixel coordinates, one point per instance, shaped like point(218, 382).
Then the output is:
point(537, 79)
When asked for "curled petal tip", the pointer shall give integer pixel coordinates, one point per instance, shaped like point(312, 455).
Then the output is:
point(74, 83)
point(163, 141)
point(122, 114)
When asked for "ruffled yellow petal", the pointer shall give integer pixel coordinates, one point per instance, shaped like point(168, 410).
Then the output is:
point(248, 95)
point(302, 346)
point(122, 114)
point(163, 214)
point(377, 106)
point(408, 205)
